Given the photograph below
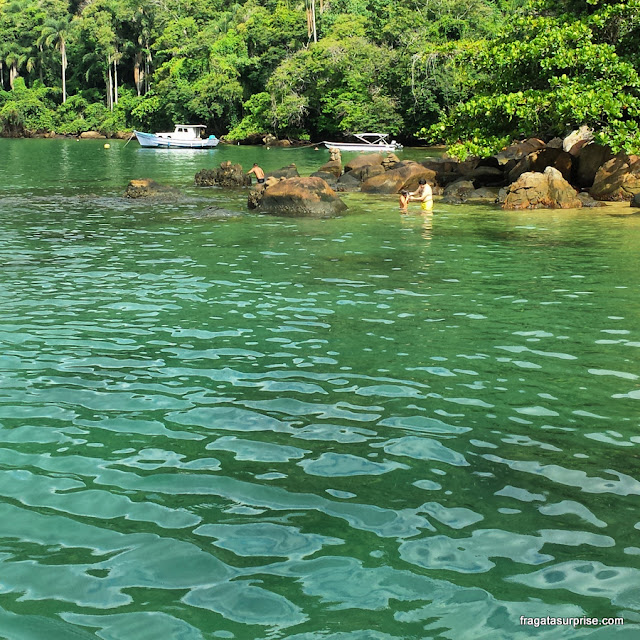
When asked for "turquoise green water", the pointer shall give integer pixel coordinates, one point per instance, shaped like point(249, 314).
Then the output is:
point(374, 427)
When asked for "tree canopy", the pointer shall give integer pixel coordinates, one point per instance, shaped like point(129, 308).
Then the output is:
point(473, 74)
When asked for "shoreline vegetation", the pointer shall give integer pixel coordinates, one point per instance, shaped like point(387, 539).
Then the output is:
point(473, 75)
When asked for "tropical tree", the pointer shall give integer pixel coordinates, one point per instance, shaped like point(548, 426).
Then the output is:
point(99, 34)
point(15, 58)
point(56, 32)
point(545, 75)
point(335, 86)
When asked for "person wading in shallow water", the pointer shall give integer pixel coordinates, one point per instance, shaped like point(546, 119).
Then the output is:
point(258, 172)
point(422, 194)
point(404, 200)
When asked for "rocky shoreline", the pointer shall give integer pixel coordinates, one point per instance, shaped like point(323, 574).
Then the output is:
point(570, 173)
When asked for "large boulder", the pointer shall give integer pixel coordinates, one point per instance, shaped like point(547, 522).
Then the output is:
point(333, 166)
point(485, 176)
point(227, 175)
point(255, 195)
point(301, 197)
point(469, 165)
point(540, 160)
point(618, 179)
point(271, 141)
point(406, 175)
point(483, 195)
point(347, 182)
point(366, 172)
point(458, 192)
point(390, 161)
point(363, 160)
point(445, 169)
point(290, 171)
point(92, 135)
point(577, 139)
point(146, 188)
point(519, 150)
point(441, 165)
point(589, 160)
point(548, 190)
point(329, 178)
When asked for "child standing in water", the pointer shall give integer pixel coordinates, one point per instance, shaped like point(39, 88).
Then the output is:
point(404, 200)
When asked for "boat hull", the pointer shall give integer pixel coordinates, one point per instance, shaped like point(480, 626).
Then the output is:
point(362, 147)
point(158, 142)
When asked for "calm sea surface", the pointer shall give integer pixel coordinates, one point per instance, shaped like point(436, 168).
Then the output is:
point(216, 424)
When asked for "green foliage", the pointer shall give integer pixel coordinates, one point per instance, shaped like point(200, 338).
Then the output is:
point(333, 87)
point(26, 110)
point(472, 73)
point(270, 37)
point(149, 111)
point(256, 120)
point(544, 76)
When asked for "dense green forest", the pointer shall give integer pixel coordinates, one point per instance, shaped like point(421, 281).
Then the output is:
point(470, 73)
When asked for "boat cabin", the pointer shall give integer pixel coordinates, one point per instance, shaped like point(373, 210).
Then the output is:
point(185, 132)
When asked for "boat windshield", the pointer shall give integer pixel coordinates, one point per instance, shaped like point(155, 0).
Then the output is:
point(372, 138)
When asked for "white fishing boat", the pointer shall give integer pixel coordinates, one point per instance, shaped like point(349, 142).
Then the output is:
point(185, 136)
point(368, 142)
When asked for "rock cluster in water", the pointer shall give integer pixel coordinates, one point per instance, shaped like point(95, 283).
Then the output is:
point(564, 173)
point(567, 173)
point(226, 175)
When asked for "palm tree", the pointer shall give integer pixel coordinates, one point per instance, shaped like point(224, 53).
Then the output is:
point(15, 57)
point(56, 32)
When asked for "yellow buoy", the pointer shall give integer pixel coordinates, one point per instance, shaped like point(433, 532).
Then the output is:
point(107, 145)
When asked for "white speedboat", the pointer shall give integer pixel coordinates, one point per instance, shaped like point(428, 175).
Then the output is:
point(368, 142)
point(185, 136)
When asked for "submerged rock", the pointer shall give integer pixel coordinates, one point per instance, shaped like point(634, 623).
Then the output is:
point(483, 195)
point(589, 202)
point(458, 192)
point(146, 188)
